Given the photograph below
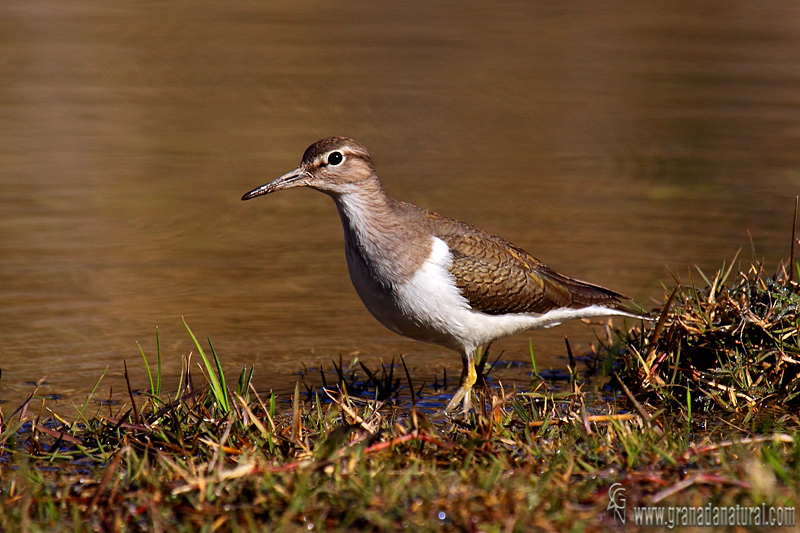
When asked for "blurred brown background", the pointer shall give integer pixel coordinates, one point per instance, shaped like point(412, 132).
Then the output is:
point(611, 141)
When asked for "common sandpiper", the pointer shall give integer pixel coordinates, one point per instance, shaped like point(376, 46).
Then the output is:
point(432, 278)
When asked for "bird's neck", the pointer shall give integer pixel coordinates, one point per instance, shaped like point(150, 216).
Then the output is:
point(364, 204)
point(367, 214)
point(379, 231)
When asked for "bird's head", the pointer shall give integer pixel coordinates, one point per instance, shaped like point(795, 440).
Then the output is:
point(335, 166)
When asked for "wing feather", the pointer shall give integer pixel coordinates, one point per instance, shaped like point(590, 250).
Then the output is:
point(497, 277)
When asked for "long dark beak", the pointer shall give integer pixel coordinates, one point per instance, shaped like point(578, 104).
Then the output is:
point(295, 178)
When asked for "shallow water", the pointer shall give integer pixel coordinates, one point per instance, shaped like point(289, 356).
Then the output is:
point(615, 144)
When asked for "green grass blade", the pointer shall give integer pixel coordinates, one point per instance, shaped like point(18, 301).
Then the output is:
point(243, 385)
point(221, 374)
point(147, 367)
point(220, 395)
point(88, 398)
point(533, 361)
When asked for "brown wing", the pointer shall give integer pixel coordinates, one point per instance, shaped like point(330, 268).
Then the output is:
point(496, 277)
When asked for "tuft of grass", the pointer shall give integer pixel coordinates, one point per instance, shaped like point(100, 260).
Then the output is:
point(731, 345)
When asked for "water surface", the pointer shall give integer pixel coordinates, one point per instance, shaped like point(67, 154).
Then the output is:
point(615, 144)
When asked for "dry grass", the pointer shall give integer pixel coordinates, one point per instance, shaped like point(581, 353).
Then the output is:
point(732, 344)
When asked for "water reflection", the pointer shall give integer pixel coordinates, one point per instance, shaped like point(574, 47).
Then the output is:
point(609, 142)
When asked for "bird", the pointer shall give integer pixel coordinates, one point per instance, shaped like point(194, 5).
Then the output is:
point(432, 278)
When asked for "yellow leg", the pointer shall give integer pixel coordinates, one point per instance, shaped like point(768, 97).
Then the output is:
point(468, 378)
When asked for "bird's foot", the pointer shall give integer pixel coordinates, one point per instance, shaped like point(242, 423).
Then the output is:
point(461, 393)
point(464, 392)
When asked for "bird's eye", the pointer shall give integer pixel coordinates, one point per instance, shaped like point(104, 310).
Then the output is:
point(335, 158)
